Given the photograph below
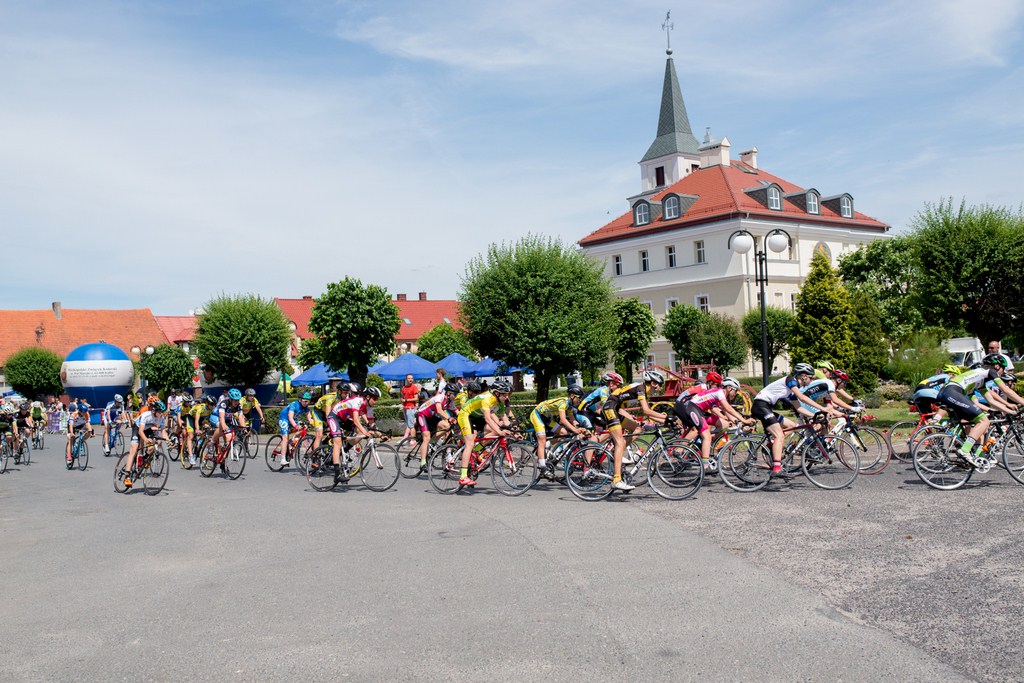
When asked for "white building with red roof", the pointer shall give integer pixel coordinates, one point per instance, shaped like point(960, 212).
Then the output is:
point(671, 246)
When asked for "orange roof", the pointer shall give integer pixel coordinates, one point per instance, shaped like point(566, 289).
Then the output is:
point(720, 192)
point(298, 311)
point(124, 329)
point(177, 328)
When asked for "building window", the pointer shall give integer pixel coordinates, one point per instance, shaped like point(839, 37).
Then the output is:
point(698, 252)
point(641, 214)
point(671, 208)
point(670, 304)
point(670, 256)
point(659, 176)
point(846, 207)
point(822, 248)
point(651, 359)
point(702, 302)
point(812, 203)
point(617, 264)
point(649, 305)
point(645, 261)
point(774, 199)
point(671, 360)
point(792, 301)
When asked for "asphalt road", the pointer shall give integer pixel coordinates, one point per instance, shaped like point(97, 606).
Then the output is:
point(263, 578)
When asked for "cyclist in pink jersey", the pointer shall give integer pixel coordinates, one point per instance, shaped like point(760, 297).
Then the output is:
point(437, 413)
point(347, 417)
point(694, 412)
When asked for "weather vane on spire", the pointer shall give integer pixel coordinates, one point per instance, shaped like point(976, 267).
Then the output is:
point(667, 27)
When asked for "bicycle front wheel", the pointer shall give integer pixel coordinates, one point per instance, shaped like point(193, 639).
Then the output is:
point(938, 462)
point(118, 448)
point(320, 471)
point(234, 460)
point(899, 438)
point(379, 467)
point(409, 457)
point(443, 469)
point(745, 464)
point(83, 456)
point(515, 470)
point(154, 474)
point(122, 464)
point(871, 447)
point(5, 456)
point(272, 453)
point(173, 447)
point(252, 443)
point(675, 472)
point(589, 472)
point(830, 462)
point(208, 463)
point(1013, 454)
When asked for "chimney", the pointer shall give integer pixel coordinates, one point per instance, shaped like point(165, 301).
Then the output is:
point(400, 297)
point(423, 296)
point(56, 309)
point(307, 298)
point(714, 153)
point(749, 157)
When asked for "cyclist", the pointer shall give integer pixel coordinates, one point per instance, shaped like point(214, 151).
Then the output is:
point(287, 421)
point(822, 390)
point(7, 422)
point(826, 370)
point(438, 413)
point(953, 397)
point(322, 407)
point(112, 414)
point(480, 413)
point(346, 417)
point(695, 413)
point(144, 429)
point(229, 416)
point(23, 424)
point(38, 415)
point(78, 418)
point(617, 419)
point(252, 410)
point(552, 414)
point(173, 407)
point(787, 388)
point(197, 415)
point(927, 391)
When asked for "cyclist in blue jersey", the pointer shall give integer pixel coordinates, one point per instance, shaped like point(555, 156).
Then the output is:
point(112, 414)
point(787, 388)
point(288, 421)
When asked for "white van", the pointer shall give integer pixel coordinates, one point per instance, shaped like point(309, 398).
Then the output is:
point(965, 351)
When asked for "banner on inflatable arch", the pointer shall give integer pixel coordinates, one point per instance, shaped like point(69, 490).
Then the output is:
point(96, 372)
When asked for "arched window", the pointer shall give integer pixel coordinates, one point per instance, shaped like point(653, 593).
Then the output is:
point(846, 207)
point(671, 208)
point(813, 203)
point(822, 248)
point(774, 199)
point(641, 214)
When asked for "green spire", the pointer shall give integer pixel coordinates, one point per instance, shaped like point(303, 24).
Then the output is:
point(674, 134)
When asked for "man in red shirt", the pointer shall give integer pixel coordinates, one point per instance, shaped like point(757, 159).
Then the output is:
point(410, 399)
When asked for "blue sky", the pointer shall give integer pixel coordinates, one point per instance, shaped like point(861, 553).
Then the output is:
point(158, 153)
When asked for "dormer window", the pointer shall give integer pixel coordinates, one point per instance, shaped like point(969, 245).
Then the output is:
point(774, 199)
point(813, 205)
point(641, 213)
point(845, 207)
point(671, 207)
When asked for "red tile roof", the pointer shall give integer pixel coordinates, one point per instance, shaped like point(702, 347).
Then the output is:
point(721, 195)
point(298, 311)
point(177, 328)
point(124, 329)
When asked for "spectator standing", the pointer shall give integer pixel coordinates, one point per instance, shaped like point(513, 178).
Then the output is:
point(410, 399)
point(994, 347)
point(441, 381)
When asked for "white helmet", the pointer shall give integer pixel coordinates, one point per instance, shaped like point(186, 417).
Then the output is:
point(730, 383)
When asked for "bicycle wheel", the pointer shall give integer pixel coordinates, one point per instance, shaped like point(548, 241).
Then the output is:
point(252, 444)
point(938, 462)
point(154, 474)
point(5, 456)
point(118, 447)
point(83, 456)
point(675, 472)
point(745, 464)
point(122, 464)
point(173, 447)
point(898, 437)
point(409, 457)
point(24, 452)
point(320, 471)
point(1013, 454)
point(515, 469)
point(208, 460)
point(871, 447)
point(272, 453)
point(589, 472)
point(830, 462)
point(443, 469)
point(234, 460)
point(379, 467)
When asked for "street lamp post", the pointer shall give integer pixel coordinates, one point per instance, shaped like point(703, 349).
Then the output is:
point(778, 240)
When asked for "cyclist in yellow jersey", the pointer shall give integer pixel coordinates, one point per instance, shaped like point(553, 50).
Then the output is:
point(322, 407)
point(249, 405)
point(617, 418)
point(480, 411)
point(552, 414)
point(196, 415)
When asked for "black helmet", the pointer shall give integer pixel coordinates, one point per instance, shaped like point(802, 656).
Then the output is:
point(474, 387)
point(995, 360)
point(371, 392)
point(451, 388)
point(575, 390)
point(502, 387)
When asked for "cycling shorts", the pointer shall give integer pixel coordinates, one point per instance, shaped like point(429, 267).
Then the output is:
point(763, 412)
point(593, 419)
point(314, 419)
point(690, 415)
point(149, 431)
point(428, 424)
point(471, 423)
point(284, 426)
point(925, 404)
point(540, 424)
point(953, 399)
point(339, 426)
point(214, 419)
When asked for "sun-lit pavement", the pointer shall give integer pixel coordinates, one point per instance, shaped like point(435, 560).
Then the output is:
point(262, 578)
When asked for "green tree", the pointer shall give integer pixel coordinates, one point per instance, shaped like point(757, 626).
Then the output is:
point(971, 271)
point(872, 349)
point(167, 368)
point(310, 353)
point(34, 372)
point(355, 323)
point(886, 271)
point(242, 338)
point(540, 304)
point(443, 340)
point(718, 339)
point(679, 325)
point(636, 328)
point(918, 358)
point(780, 330)
point(823, 317)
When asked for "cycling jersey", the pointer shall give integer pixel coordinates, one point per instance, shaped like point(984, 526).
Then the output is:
point(471, 415)
point(709, 398)
point(975, 379)
point(324, 403)
point(461, 398)
point(197, 413)
point(553, 406)
point(149, 421)
point(173, 404)
point(112, 412)
point(595, 399)
point(37, 410)
point(439, 405)
point(347, 410)
point(780, 389)
point(819, 389)
point(247, 404)
point(79, 413)
point(690, 392)
point(293, 409)
point(610, 408)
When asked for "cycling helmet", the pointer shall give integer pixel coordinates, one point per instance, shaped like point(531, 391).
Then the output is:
point(250, 392)
point(502, 387)
point(474, 387)
point(976, 366)
point(575, 390)
point(841, 375)
point(995, 360)
point(371, 392)
point(118, 398)
point(306, 397)
point(355, 387)
point(185, 398)
point(235, 394)
point(611, 377)
point(158, 406)
point(1009, 377)
point(730, 383)
point(654, 376)
point(825, 364)
point(451, 388)
point(803, 369)
point(713, 378)
point(10, 409)
point(952, 369)
point(209, 399)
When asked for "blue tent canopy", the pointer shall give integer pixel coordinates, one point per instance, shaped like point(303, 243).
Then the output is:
point(318, 374)
point(488, 367)
point(456, 365)
point(407, 364)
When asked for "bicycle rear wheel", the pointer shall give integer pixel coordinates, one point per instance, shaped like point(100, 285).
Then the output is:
point(515, 469)
point(272, 453)
point(872, 448)
point(379, 467)
point(589, 472)
point(830, 462)
point(301, 454)
point(1013, 454)
point(122, 464)
point(938, 462)
point(675, 472)
point(208, 461)
point(83, 456)
point(320, 471)
point(443, 469)
point(409, 457)
point(173, 447)
point(154, 474)
point(252, 443)
point(234, 460)
point(745, 464)
point(5, 456)
point(898, 436)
